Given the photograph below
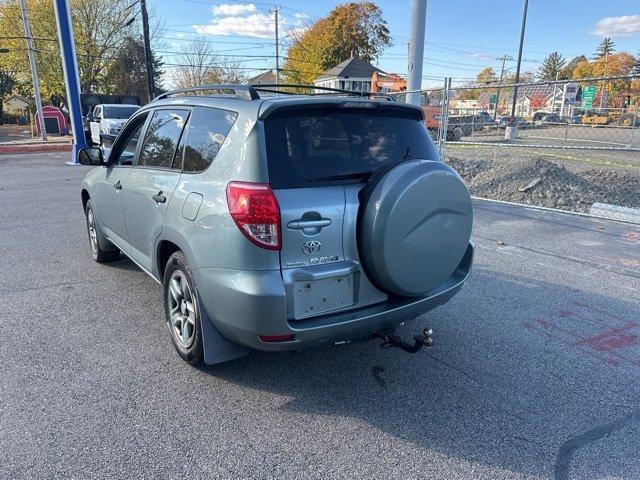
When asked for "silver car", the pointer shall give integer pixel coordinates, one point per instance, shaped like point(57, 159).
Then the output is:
point(280, 222)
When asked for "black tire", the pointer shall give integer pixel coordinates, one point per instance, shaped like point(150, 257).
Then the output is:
point(98, 242)
point(189, 346)
point(627, 120)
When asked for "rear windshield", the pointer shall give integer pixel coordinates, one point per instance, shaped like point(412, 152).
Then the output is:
point(119, 112)
point(306, 148)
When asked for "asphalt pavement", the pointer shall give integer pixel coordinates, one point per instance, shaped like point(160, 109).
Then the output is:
point(535, 371)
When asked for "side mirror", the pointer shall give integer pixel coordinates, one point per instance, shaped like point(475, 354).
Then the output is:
point(91, 156)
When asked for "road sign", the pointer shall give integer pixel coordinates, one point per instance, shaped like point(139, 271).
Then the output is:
point(493, 98)
point(589, 93)
point(588, 96)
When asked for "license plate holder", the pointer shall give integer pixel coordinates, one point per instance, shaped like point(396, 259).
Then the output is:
point(316, 297)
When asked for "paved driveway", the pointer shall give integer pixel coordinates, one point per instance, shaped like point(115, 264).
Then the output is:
point(535, 372)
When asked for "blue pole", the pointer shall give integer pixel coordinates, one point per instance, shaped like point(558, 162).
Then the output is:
point(71, 77)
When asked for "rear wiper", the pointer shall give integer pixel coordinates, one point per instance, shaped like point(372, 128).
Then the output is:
point(344, 176)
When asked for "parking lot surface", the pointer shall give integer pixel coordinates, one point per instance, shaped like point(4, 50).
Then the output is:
point(535, 371)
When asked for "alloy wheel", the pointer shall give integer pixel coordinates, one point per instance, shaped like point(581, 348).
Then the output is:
point(182, 309)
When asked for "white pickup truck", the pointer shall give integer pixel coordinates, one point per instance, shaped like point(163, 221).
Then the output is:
point(107, 119)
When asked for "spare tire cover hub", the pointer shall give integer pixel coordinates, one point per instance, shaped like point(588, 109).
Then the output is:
point(415, 227)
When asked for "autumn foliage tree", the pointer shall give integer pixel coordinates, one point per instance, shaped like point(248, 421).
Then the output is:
point(357, 27)
point(616, 64)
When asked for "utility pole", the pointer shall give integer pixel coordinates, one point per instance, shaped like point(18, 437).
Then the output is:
point(147, 50)
point(276, 10)
point(504, 58)
point(604, 82)
point(416, 50)
point(34, 71)
point(515, 88)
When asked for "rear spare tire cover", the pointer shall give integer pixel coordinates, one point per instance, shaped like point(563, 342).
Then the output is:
point(415, 227)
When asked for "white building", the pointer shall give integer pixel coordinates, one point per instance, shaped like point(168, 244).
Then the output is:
point(352, 74)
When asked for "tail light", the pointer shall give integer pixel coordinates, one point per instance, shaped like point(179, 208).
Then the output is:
point(254, 208)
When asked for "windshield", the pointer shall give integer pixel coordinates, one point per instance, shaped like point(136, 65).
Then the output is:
point(121, 113)
point(334, 145)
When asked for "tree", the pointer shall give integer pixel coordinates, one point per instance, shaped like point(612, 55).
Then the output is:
point(566, 73)
point(6, 87)
point(487, 75)
point(616, 64)
point(538, 100)
point(551, 66)
point(352, 27)
point(127, 73)
point(606, 47)
point(198, 64)
point(636, 67)
point(101, 29)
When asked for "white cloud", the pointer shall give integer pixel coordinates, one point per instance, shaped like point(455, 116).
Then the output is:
point(480, 56)
point(181, 35)
point(233, 9)
point(624, 26)
point(256, 25)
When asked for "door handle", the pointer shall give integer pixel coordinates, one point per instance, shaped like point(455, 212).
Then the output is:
point(302, 224)
point(118, 185)
point(159, 198)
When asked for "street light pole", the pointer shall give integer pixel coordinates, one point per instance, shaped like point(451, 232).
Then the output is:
point(276, 10)
point(504, 58)
point(147, 50)
point(34, 70)
point(416, 50)
point(515, 88)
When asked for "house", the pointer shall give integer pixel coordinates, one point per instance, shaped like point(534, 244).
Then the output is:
point(351, 74)
point(531, 98)
point(268, 77)
point(16, 105)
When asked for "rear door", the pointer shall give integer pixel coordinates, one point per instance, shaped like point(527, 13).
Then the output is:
point(319, 159)
point(152, 181)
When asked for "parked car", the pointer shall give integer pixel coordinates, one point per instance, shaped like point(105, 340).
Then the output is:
point(107, 120)
point(281, 223)
point(553, 119)
point(483, 119)
point(504, 122)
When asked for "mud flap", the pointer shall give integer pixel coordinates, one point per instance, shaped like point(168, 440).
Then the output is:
point(217, 349)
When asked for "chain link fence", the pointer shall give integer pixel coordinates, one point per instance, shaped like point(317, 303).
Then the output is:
point(572, 145)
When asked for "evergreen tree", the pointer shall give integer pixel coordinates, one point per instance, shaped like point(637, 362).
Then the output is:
point(551, 66)
point(606, 47)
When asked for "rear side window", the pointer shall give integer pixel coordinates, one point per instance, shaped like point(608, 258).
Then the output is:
point(205, 134)
point(310, 146)
point(161, 138)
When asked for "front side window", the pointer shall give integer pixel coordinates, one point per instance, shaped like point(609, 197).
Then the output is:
point(124, 149)
point(207, 130)
point(161, 138)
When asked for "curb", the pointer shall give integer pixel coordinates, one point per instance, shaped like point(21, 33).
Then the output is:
point(34, 148)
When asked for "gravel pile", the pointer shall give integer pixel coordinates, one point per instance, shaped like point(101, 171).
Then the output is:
point(537, 181)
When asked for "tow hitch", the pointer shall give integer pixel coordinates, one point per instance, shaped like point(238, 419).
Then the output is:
point(390, 339)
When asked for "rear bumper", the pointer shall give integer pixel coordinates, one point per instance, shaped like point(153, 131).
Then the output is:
point(245, 304)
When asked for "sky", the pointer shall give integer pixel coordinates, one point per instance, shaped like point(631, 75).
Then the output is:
point(462, 36)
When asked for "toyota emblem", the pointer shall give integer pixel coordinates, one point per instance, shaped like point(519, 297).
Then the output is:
point(311, 247)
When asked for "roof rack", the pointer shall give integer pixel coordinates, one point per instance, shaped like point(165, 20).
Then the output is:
point(246, 92)
point(274, 88)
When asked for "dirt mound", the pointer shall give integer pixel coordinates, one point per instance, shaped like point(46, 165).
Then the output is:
point(540, 182)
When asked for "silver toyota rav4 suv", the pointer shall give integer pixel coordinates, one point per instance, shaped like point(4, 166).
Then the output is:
point(280, 222)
